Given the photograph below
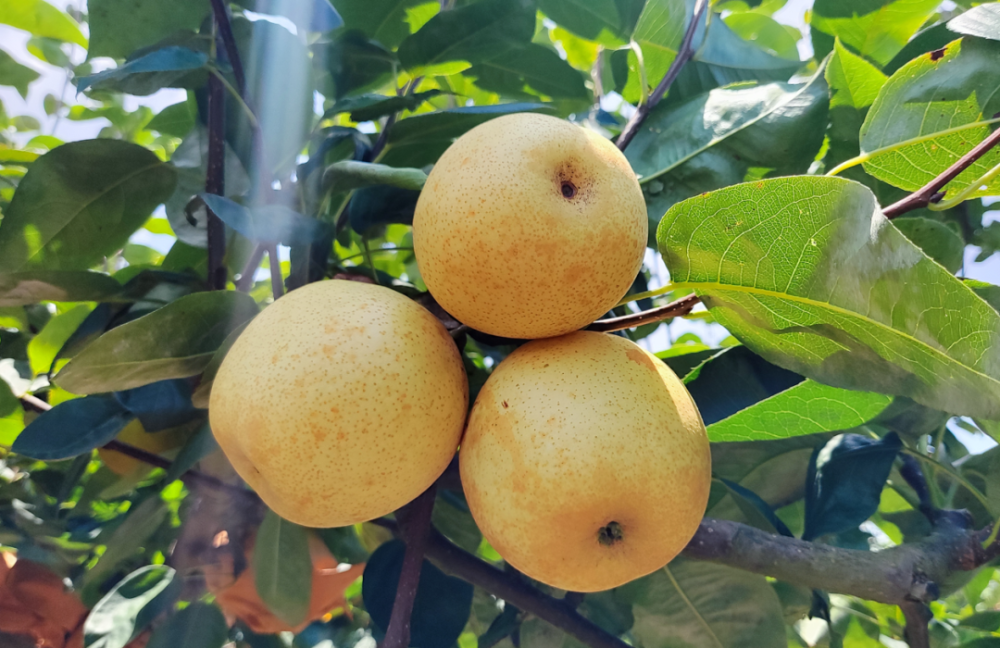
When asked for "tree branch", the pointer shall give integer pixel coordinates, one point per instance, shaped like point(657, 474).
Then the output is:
point(221, 13)
point(684, 55)
point(675, 308)
point(245, 282)
point(916, 633)
point(215, 181)
point(414, 521)
point(277, 286)
point(931, 192)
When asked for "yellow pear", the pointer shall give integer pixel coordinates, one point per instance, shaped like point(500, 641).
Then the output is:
point(135, 435)
point(529, 227)
point(340, 402)
point(585, 462)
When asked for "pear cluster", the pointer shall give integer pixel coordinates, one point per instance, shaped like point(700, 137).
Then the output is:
point(584, 460)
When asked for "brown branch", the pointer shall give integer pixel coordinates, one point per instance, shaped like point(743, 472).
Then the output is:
point(931, 192)
point(458, 562)
point(415, 526)
point(916, 633)
point(277, 284)
point(684, 54)
point(215, 181)
point(221, 13)
point(675, 308)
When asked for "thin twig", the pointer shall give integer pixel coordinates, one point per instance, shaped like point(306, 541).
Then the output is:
point(414, 526)
point(684, 55)
point(383, 137)
point(675, 308)
point(916, 633)
point(277, 287)
point(221, 12)
point(215, 182)
point(245, 282)
point(914, 476)
point(931, 192)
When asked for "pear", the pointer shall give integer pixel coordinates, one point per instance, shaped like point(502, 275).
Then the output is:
point(585, 462)
point(340, 402)
point(530, 226)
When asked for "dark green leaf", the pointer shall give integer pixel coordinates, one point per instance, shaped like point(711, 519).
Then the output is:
point(32, 287)
point(283, 568)
point(987, 292)
point(119, 27)
point(72, 428)
point(988, 621)
point(80, 202)
point(982, 21)
point(421, 139)
point(440, 610)
point(927, 40)
point(472, 34)
point(39, 18)
point(385, 21)
point(714, 140)
point(175, 341)
point(203, 391)
point(267, 223)
point(349, 174)
point(344, 544)
point(131, 606)
point(452, 518)
point(199, 446)
point(706, 605)
point(368, 107)
point(530, 65)
point(15, 75)
point(199, 625)
point(609, 22)
point(982, 642)
point(930, 113)
point(845, 482)
point(374, 206)
point(845, 299)
point(937, 240)
point(160, 405)
point(757, 512)
point(876, 29)
point(176, 120)
point(356, 64)
point(163, 68)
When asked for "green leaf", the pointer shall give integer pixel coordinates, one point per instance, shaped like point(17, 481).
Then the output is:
point(764, 32)
point(982, 21)
point(141, 522)
point(15, 75)
point(538, 67)
point(199, 446)
point(472, 33)
point(175, 341)
point(39, 18)
point(987, 292)
point(369, 107)
point(72, 428)
point(32, 287)
point(442, 605)
point(854, 86)
point(356, 64)
point(201, 394)
point(80, 202)
point(845, 481)
point(372, 207)
point(119, 27)
point(937, 240)
point(808, 273)
point(168, 67)
point(282, 568)
point(807, 408)
point(386, 21)
point(175, 120)
point(714, 140)
point(421, 139)
point(349, 174)
point(988, 621)
point(702, 604)
point(268, 223)
point(43, 347)
point(199, 625)
point(131, 606)
point(875, 29)
point(608, 22)
point(452, 518)
point(930, 113)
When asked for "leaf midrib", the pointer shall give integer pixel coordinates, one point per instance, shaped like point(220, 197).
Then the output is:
point(838, 309)
point(690, 605)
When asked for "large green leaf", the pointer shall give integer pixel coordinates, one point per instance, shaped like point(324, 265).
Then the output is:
point(808, 273)
point(282, 568)
point(15, 75)
point(876, 29)
point(119, 27)
point(937, 240)
point(167, 67)
point(32, 287)
point(131, 606)
point(806, 408)
point(386, 21)
point(982, 21)
point(175, 341)
point(72, 428)
point(122, 541)
point(609, 22)
point(39, 18)
point(199, 625)
point(80, 202)
point(658, 33)
point(714, 140)
point(473, 33)
point(42, 348)
point(854, 85)
point(930, 113)
point(696, 603)
point(535, 66)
